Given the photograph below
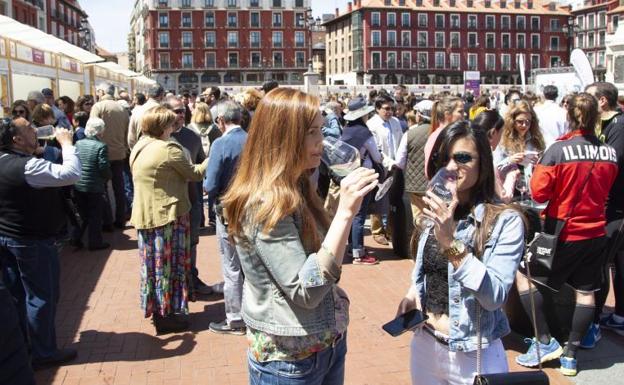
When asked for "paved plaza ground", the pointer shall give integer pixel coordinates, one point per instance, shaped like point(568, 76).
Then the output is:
point(99, 315)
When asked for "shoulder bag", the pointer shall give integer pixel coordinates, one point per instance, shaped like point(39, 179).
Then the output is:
point(544, 246)
point(526, 377)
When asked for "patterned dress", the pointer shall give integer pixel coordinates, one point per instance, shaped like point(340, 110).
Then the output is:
point(165, 267)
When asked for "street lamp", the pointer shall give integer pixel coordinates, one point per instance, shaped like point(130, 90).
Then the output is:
point(570, 29)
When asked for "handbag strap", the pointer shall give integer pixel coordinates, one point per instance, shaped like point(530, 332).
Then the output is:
point(561, 224)
point(534, 323)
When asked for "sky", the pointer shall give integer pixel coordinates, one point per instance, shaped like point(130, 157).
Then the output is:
point(110, 19)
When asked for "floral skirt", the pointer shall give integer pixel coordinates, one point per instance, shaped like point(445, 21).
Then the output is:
point(165, 267)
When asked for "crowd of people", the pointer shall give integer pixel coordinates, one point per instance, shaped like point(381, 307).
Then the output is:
point(249, 166)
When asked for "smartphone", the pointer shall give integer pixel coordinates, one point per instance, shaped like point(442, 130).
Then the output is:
point(408, 321)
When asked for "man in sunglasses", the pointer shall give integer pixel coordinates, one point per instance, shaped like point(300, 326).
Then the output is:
point(31, 218)
point(116, 119)
point(387, 132)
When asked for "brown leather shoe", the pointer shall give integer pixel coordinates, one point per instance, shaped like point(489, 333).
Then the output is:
point(381, 239)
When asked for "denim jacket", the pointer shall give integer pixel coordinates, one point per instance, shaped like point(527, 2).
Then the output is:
point(288, 291)
point(485, 279)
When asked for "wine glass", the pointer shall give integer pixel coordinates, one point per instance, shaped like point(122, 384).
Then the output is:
point(340, 157)
point(383, 188)
point(443, 185)
point(521, 186)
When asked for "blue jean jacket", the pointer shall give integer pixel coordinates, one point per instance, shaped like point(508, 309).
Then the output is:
point(486, 280)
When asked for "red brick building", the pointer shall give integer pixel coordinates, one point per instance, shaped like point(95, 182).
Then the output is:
point(31, 12)
point(192, 44)
point(434, 41)
point(64, 20)
point(592, 22)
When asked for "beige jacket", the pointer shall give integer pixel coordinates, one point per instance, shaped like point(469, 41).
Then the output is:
point(160, 172)
point(116, 119)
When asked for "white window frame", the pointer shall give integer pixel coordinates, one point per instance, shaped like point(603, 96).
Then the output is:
point(160, 40)
point(508, 18)
point(493, 18)
point(375, 15)
point(251, 41)
point(493, 36)
point(259, 19)
point(396, 59)
point(502, 65)
point(476, 23)
point(388, 33)
point(232, 33)
point(406, 64)
point(388, 15)
point(435, 20)
point(458, 40)
point(435, 42)
point(523, 18)
point(518, 35)
point(281, 39)
point(160, 61)
point(508, 36)
point(455, 57)
point(539, 41)
point(426, 34)
point(187, 54)
point(425, 17)
point(186, 34)
point(476, 61)
point(455, 15)
point(373, 33)
point(304, 59)
point(409, 38)
point(168, 20)
point(538, 61)
point(237, 59)
point(490, 58)
point(409, 20)
point(426, 56)
point(438, 54)
point(251, 54)
point(373, 53)
point(476, 39)
point(182, 19)
point(210, 53)
point(214, 40)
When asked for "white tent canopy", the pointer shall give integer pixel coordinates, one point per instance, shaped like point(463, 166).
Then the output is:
point(33, 37)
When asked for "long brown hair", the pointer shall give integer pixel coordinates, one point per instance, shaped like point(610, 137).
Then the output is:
point(511, 141)
point(272, 181)
point(583, 112)
point(483, 191)
point(440, 107)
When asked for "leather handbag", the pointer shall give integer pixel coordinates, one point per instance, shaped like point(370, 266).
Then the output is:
point(527, 377)
point(544, 246)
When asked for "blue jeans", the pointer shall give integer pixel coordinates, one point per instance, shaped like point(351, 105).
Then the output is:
point(356, 239)
point(326, 367)
point(32, 270)
point(14, 361)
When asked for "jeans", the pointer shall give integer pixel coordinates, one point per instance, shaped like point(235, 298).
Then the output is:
point(117, 169)
point(232, 277)
point(14, 361)
point(326, 367)
point(91, 208)
point(357, 228)
point(32, 276)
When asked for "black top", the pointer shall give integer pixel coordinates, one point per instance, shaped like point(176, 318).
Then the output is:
point(27, 212)
point(435, 267)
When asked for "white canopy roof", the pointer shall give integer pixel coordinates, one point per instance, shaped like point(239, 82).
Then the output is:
point(38, 39)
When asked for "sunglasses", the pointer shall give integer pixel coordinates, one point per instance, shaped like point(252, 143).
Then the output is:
point(462, 157)
point(180, 111)
point(523, 122)
point(387, 108)
point(87, 104)
point(19, 112)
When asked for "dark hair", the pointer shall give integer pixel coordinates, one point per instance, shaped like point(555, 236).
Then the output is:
point(8, 130)
point(469, 97)
point(583, 112)
point(606, 90)
point(82, 100)
point(383, 99)
point(511, 92)
point(550, 92)
point(81, 118)
point(140, 98)
point(155, 91)
point(484, 191)
point(372, 94)
point(269, 86)
point(489, 120)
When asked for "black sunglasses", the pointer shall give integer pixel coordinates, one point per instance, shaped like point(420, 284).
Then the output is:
point(180, 111)
point(462, 157)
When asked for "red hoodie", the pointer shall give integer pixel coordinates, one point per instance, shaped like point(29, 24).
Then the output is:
point(561, 172)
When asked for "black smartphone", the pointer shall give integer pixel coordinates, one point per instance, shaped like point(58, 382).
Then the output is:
point(408, 321)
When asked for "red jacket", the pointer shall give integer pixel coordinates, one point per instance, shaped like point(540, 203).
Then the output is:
point(558, 178)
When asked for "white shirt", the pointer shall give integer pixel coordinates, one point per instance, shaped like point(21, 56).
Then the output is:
point(553, 121)
point(388, 135)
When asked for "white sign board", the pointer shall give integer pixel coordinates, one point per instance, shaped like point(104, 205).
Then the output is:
point(566, 82)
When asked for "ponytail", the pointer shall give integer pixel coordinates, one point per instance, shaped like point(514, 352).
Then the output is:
point(435, 119)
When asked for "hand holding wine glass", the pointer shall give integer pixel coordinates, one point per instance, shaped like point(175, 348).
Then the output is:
point(521, 186)
point(443, 185)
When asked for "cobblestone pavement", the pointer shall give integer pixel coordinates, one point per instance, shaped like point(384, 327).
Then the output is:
point(99, 315)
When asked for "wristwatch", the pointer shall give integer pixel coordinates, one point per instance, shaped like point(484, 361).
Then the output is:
point(457, 249)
